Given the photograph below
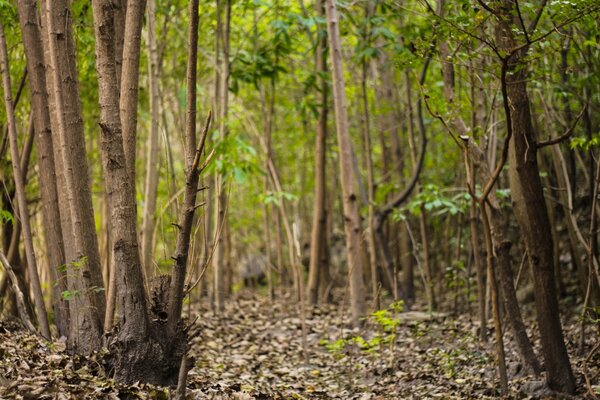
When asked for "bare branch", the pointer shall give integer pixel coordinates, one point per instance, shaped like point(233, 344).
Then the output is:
point(486, 7)
point(522, 21)
point(533, 25)
point(565, 135)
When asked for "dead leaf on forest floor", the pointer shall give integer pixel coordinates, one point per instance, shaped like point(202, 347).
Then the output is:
point(255, 352)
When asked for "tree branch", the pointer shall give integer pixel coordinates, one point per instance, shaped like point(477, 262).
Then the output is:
point(565, 135)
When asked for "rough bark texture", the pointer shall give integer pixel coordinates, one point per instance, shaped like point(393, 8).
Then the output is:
point(32, 43)
point(352, 226)
point(530, 207)
point(81, 244)
point(192, 177)
point(141, 350)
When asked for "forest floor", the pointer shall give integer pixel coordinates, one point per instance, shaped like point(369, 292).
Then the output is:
point(256, 352)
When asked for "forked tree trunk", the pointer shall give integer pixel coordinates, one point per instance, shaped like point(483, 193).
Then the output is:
point(352, 226)
point(142, 349)
point(131, 297)
point(529, 205)
point(501, 244)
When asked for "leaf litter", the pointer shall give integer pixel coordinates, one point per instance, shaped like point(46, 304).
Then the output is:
point(255, 351)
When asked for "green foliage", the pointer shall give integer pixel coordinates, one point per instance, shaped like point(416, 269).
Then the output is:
point(585, 144)
point(6, 216)
point(435, 200)
point(235, 158)
point(385, 320)
point(68, 295)
point(81, 262)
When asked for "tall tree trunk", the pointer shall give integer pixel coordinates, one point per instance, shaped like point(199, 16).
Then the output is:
point(81, 249)
point(501, 244)
point(318, 238)
point(352, 224)
point(38, 296)
point(121, 197)
point(55, 253)
point(150, 188)
point(370, 172)
point(221, 195)
point(130, 76)
point(529, 205)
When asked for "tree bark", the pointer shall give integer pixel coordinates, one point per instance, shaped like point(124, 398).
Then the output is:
point(38, 296)
point(150, 188)
point(55, 253)
point(221, 195)
point(318, 238)
point(352, 224)
point(87, 306)
point(529, 205)
point(130, 75)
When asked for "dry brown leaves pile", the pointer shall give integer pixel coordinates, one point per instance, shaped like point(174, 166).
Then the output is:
point(255, 351)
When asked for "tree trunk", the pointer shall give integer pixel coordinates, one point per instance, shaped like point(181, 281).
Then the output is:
point(318, 239)
point(529, 204)
point(352, 226)
point(221, 195)
point(150, 188)
point(130, 76)
point(370, 234)
point(499, 229)
point(55, 253)
point(38, 296)
point(87, 307)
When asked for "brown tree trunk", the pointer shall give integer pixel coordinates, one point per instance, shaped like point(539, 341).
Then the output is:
point(319, 262)
point(499, 232)
point(150, 188)
point(87, 306)
point(529, 204)
point(20, 189)
point(370, 234)
point(352, 224)
point(130, 76)
point(221, 195)
point(32, 43)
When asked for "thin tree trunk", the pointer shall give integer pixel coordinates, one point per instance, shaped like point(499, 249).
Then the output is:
point(318, 238)
point(500, 356)
point(38, 296)
point(19, 297)
point(153, 149)
point(130, 76)
point(370, 178)
point(221, 195)
point(348, 180)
